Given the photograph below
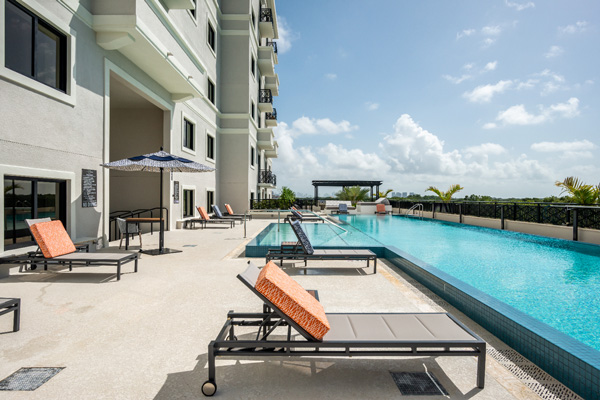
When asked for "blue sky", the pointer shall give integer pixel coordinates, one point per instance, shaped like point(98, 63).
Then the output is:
point(500, 96)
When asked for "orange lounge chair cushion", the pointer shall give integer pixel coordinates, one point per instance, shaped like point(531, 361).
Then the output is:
point(52, 238)
point(293, 300)
point(380, 208)
point(203, 213)
point(228, 208)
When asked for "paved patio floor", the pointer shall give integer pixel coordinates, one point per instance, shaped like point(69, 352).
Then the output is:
point(146, 336)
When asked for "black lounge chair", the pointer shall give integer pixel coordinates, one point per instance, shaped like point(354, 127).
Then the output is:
point(298, 216)
point(205, 219)
point(8, 305)
point(230, 213)
point(303, 250)
point(219, 215)
point(350, 335)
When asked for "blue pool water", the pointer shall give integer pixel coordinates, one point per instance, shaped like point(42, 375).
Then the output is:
point(555, 281)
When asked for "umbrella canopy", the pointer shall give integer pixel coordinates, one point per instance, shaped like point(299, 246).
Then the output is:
point(155, 162)
point(158, 162)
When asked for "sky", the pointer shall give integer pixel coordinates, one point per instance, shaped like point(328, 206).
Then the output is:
point(499, 96)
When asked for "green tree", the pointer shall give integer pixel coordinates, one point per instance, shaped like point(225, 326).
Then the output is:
point(287, 197)
point(353, 193)
point(447, 195)
point(385, 195)
point(579, 192)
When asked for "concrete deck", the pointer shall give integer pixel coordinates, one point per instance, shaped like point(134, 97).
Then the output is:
point(146, 336)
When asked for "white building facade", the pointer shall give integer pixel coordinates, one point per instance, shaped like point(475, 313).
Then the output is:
point(91, 81)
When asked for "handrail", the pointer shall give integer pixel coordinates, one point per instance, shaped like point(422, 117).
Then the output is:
point(134, 214)
point(417, 207)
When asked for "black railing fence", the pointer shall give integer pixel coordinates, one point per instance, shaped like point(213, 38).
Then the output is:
point(273, 44)
point(274, 204)
point(267, 177)
point(266, 15)
point(541, 213)
point(265, 96)
point(140, 213)
point(271, 115)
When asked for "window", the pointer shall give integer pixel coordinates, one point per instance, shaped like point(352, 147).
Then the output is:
point(193, 10)
point(259, 161)
point(188, 134)
point(210, 199)
point(188, 203)
point(210, 147)
point(211, 91)
point(252, 156)
point(253, 19)
point(253, 66)
point(252, 109)
point(211, 37)
point(34, 48)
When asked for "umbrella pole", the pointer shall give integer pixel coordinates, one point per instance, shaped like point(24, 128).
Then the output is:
point(161, 237)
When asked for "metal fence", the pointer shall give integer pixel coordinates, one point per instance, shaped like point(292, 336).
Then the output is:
point(541, 213)
point(274, 204)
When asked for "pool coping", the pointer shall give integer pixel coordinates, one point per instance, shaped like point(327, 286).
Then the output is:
point(570, 361)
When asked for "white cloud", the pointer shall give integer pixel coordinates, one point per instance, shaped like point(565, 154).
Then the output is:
point(490, 125)
point(311, 126)
point(456, 79)
point(465, 32)
point(352, 160)
point(578, 27)
point(484, 93)
point(331, 76)
point(554, 51)
point(487, 42)
point(490, 66)
point(571, 150)
point(372, 106)
point(520, 6)
point(286, 35)
point(486, 148)
point(518, 115)
point(491, 30)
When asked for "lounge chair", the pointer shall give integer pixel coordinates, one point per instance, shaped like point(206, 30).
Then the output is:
point(342, 208)
point(320, 334)
point(56, 247)
point(380, 209)
point(231, 213)
point(205, 219)
point(219, 215)
point(303, 250)
point(297, 215)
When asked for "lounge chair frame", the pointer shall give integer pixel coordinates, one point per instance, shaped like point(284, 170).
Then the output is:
point(300, 251)
point(227, 344)
point(13, 305)
point(218, 214)
point(297, 215)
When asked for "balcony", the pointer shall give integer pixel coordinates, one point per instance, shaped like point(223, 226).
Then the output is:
point(179, 4)
point(265, 100)
point(266, 138)
point(271, 118)
point(272, 153)
point(265, 24)
point(267, 179)
point(272, 82)
point(266, 60)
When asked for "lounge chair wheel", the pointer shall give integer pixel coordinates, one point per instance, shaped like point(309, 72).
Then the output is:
point(209, 388)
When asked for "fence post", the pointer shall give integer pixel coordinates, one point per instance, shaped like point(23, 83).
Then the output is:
point(515, 211)
point(501, 216)
point(539, 213)
point(433, 210)
point(479, 209)
point(495, 210)
point(575, 227)
point(460, 213)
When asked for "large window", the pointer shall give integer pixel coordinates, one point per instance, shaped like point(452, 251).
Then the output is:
point(252, 110)
point(34, 48)
point(252, 156)
point(211, 91)
point(210, 147)
point(188, 134)
point(210, 199)
point(253, 66)
point(188, 203)
point(211, 37)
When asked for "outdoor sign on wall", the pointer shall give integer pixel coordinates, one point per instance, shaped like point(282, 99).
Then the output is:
point(89, 184)
point(176, 192)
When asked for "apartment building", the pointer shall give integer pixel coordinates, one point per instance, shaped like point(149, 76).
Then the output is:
point(84, 82)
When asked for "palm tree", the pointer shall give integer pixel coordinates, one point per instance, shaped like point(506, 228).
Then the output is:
point(384, 195)
point(287, 197)
point(447, 195)
point(580, 193)
point(353, 193)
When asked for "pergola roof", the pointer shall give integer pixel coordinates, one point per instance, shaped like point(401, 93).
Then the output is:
point(347, 183)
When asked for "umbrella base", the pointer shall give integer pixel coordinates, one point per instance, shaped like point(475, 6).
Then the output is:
point(158, 252)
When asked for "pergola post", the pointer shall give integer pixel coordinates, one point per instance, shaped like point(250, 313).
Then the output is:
point(316, 202)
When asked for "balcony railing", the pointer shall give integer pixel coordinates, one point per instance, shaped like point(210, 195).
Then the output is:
point(272, 43)
point(267, 177)
point(265, 96)
point(271, 115)
point(266, 15)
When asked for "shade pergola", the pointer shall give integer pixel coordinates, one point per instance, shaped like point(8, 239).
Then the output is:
point(343, 184)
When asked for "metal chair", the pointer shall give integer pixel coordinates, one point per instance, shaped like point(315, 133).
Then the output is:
point(132, 230)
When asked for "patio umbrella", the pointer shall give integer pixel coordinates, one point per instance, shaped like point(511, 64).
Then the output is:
point(158, 162)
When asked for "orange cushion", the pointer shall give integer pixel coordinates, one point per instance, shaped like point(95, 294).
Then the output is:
point(52, 238)
point(203, 213)
point(380, 207)
point(293, 300)
point(228, 208)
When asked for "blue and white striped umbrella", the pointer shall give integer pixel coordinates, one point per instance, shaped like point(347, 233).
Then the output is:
point(155, 162)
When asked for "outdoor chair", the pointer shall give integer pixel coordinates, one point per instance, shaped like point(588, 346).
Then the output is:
point(8, 305)
point(57, 248)
point(303, 250)
point(231, 213)
point(343, 208)
point(219, 215)
point(298, 216)
point(205, 219)
point(131, 230)
point(294, 324)
point(380, 209)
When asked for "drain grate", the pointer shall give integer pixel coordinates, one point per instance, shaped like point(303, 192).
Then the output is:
point(189, 245)
point(418, 384)
point(28, 378)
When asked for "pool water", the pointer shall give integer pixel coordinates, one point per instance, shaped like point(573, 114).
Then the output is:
point(555, 281)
